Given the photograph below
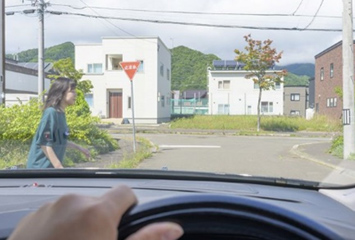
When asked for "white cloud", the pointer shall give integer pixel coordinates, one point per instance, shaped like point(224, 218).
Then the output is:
point(298, 46)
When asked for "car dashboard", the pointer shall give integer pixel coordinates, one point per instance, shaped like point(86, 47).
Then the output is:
point(206, 209)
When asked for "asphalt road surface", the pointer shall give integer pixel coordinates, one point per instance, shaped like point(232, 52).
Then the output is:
point(258, 156)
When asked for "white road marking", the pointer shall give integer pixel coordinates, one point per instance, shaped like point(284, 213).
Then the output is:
point(188, 146)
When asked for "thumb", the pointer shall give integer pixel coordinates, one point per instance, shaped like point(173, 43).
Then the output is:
point(158, 231)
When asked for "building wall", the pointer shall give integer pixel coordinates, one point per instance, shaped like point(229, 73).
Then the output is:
point(147, 84)
point(295, 100)
point(164, 82)
point(93, 54)
point(325, 89)
point(241, 96)
point(311, 93)
point(21, 86)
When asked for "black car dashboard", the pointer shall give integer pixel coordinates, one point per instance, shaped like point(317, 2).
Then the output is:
point(206, 209)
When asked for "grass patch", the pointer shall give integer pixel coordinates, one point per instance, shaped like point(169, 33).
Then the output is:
point(131, 160)
point(13, 153)
point(337, 148)
point(248, 123)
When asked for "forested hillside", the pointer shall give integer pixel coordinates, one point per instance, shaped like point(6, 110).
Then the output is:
point(300, 69)
point(189, 67)
point(51, 54)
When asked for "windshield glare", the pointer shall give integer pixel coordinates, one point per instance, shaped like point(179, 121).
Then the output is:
point(250, 88)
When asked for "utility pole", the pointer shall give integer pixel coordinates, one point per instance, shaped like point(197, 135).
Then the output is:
point(2, 52)
point(348, 80)
point(40, 10)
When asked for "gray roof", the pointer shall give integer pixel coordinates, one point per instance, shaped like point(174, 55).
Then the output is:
point(33, 65)
point(30, 67)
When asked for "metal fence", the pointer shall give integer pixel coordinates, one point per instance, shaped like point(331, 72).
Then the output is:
point(189, 106)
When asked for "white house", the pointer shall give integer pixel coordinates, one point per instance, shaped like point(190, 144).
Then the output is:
point(111, 95)
point(21, 81)
point(231, 93)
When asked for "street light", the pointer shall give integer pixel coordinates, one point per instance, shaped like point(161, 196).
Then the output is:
point(54, 12)
point(28, 11)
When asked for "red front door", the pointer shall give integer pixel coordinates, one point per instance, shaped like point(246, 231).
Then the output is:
point(115, 105)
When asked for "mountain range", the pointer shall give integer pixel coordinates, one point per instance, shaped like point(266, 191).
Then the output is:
point(188, 65)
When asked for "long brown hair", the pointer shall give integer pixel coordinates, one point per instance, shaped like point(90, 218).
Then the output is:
point(57, 90)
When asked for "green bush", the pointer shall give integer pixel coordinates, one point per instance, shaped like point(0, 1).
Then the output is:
point(19, 123)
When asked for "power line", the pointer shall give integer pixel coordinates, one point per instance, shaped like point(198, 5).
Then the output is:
point(299, 5)
point(314, 17)
point(22, 5)
point(197, 24)
point(202, 13)
point(109, 21)
point(96, 13)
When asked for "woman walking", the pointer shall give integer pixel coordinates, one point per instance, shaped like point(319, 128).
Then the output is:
point(51, 139)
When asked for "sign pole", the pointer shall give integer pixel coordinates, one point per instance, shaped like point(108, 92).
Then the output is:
point(133, 122)
point(130, 69)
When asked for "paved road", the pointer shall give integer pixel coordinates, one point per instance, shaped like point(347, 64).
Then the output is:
point(266, 156)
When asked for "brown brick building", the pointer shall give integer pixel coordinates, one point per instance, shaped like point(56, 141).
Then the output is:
point(329, 77)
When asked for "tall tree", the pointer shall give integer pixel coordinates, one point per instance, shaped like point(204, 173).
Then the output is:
point(65, 68)
point(259, 58)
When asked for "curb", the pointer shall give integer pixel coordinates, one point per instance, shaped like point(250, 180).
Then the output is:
point(296, 151)
point(119, 130)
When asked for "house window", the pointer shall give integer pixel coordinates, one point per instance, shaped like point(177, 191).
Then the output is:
point(162, 100)
point(168, 74)
point(223, 108)
point(267, 107)
point(129, 101)
point(277, 85)
point(94, 68)
point(162, 69)
point(113, 61)
point(322, 74)
point(256, 86)
point(295, 112)
point(89, 98)
point(331, 70)
point(295, 96)
point(225, 84)
point(141, 66)
point(331, 102)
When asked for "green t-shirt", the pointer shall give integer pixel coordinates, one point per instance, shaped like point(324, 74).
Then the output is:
point(52, 131)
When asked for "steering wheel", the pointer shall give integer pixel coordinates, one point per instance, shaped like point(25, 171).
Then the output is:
point(211, 216)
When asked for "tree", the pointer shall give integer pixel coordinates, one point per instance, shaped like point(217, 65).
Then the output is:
point(339, 91)
point(259, 58)
point(65, 68)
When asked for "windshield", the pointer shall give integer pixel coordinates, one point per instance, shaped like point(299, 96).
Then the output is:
point(249, 88)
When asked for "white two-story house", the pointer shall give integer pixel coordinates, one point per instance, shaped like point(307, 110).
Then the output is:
point(111, 95)
point(229, 92)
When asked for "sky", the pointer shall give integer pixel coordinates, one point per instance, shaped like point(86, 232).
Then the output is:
point(298, 46)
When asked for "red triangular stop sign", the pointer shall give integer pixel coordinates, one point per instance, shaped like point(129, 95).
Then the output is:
point(130, 68)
